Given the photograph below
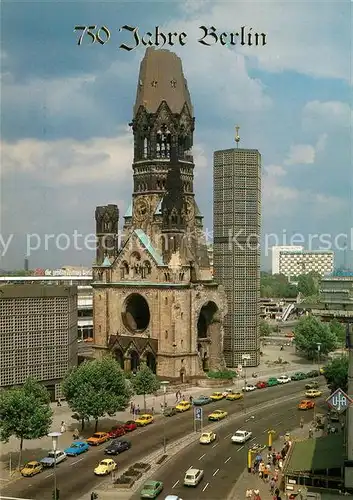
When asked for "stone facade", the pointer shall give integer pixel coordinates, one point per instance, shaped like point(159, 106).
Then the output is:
point(154, 298)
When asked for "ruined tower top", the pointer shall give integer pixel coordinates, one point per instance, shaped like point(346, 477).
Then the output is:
point(161, 78)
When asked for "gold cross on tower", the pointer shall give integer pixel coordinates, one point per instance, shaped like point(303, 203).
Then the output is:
point(237, 137)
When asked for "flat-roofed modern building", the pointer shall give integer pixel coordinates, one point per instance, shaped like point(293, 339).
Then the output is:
point(236, 249)
point(38, 334)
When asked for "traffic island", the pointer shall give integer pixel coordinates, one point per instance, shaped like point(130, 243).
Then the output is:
point(124, 482)
point(133, 473)
point(141, 466)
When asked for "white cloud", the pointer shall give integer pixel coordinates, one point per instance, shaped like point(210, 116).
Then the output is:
point(331, 114)
point(300, 154)
point(317, 51)
point(275, 170)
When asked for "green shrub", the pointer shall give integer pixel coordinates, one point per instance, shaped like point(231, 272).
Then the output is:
point(222, 374)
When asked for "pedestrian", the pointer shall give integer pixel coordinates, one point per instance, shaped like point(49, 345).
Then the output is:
point(257, 495)
point(310, 433)
point(190, 399)
point(58, 402)
point(248, 493)
point(138, 410)
point(272, 486)
point(76, 434)
point(280, 464)
point(301, 422)
point(152, 410)
point(274, 458)
point(62, 427)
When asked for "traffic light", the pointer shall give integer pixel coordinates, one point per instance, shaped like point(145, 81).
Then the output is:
point(56, 494)
point(94, 495)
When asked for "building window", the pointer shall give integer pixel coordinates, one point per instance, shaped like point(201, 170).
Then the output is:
point(166, 334)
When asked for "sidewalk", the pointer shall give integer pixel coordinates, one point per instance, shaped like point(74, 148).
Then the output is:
point(252, 481)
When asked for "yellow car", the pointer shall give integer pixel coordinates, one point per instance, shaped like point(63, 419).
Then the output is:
point(183, 406)
point(232, 396)
point(217, 415)
point(98, 438)
point(322, 370)
point(207, 437)
point(144, 420)
point(313, 393)
point(31, 468)
point(105, 467)
point(216, 396)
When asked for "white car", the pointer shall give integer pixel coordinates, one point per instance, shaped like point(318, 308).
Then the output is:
point(172, 497)
point(241, 437)
point(249, 388)
point(227, 391)
point(284, 379)
point(193, 477)
point(53, 457)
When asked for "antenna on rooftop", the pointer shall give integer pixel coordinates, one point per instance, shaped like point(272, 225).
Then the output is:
point(237, 136)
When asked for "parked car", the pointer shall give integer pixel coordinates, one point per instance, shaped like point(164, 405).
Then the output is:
point(261, 384)
point(217, 396)
point(31, 468)
point(98, 438)
point(233, 396)
point(145, 419)
point(76, 448)
point(249, 388)
point(117, 446)
point(117, 431)
point(272, 381)
point(170, 411)
point(313, 373)
point(201, 400)
point(284, 379)
point(130, 426)
point(53, 457)
point(298, 376)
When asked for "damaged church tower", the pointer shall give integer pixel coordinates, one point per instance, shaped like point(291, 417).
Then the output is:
point(154, 297)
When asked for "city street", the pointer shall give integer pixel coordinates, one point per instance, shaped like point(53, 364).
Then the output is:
point(223, 461)
point(75, 476)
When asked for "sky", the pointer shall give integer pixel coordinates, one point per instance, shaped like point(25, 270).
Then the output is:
point(66, 146)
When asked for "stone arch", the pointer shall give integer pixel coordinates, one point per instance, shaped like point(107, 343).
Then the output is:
point(134, 360)
point(119, 356)
point(136, 313)
point(124, 269)
point(151, 361)
point(207, 315)
point(147, 267)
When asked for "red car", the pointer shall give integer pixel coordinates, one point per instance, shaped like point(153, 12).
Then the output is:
point(261, 384)
point(130, 426)
point(117, 431)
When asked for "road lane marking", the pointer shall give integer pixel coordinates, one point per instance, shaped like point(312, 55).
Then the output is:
point(252, 439)
point(174, 485)
point(214, 446)
point(227, 460)
point(49, 475)
point(202, 456)
point(266, 430)
point(277, 423)
point(77, 461)
point(215, 472)
point(227, 436)
point(205, 486)
point(239, 449)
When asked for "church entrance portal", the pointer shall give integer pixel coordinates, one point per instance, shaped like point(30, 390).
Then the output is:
point(136, 313)
point(135, 361)
point(151, 362)
point(120, 358)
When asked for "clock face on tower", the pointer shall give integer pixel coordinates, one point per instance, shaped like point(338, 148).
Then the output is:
point(141, 209)
point(189, 210)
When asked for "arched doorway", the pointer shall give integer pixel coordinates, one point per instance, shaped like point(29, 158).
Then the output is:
point(136, 313)
point(205, 319)
point(151, 362)
point(207, 324)
point(119, 358)
point(134, 361)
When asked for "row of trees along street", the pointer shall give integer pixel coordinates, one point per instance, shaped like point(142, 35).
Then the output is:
point(92, 390)
point(279, 286)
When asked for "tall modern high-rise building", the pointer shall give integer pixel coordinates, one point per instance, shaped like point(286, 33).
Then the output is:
point(236, 249)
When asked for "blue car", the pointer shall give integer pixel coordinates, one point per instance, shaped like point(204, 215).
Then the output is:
point(76, 448)
point(201, 400)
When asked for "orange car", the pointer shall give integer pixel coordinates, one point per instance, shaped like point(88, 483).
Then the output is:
point(306, 404)
point(98, 438)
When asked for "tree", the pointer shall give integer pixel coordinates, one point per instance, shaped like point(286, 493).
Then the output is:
point(308, 284)
point(265, 328)
point(339, 330)
point(336, 374)
point(145, 382)
point(277, 286)
point(25, 413)
point(309, 332)
point(96, 388)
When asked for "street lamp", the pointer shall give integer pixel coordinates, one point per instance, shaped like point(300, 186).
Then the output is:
point(55, 436)
point(164, 384)
point(318, 344)
point(244, 359)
